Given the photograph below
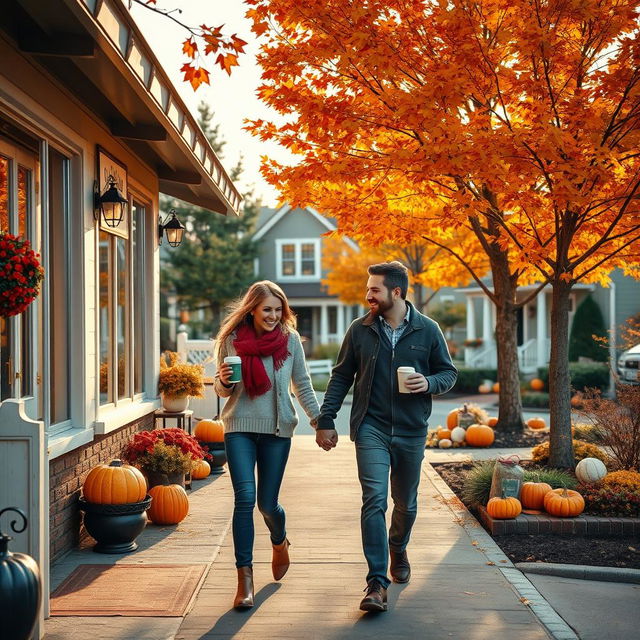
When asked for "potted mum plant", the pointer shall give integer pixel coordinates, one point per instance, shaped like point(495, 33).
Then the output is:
point(164, 455)
point(178, 381)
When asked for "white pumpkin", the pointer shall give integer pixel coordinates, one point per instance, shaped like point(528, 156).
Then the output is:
point(590, 470)
point(458, 434)
point(444, 443)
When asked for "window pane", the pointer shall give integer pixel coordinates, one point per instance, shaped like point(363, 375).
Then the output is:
point(58, 274)
point(123, 318)
point(308, 261)
point(138, 296)
point(105, 318)
point(288, 260)
point(24, 184)
point(4, 194)
point(24, 206)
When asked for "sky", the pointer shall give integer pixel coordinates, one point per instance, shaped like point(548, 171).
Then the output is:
point(232, 98)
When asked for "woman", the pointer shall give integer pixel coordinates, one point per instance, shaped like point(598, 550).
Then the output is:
point(259, 418)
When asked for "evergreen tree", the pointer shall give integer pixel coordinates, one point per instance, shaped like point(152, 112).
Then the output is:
point(214, 262)
point(587, 322)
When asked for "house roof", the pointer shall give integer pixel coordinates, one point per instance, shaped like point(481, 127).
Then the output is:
point(95, 51)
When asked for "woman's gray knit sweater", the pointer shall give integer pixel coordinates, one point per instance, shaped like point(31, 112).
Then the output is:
point(272, 412)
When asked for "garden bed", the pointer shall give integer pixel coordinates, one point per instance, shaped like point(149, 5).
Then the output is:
point(620, 551)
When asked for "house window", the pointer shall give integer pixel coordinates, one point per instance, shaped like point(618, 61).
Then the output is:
point(298, 259)
point(332, 313)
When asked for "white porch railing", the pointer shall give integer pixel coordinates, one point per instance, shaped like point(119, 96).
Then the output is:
point(528, 356)
point(486, 358)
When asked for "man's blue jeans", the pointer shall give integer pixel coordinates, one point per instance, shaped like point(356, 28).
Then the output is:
point(269, 453)
point(378, 453)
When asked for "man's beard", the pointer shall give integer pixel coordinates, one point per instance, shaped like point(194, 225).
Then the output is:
point(382, 306)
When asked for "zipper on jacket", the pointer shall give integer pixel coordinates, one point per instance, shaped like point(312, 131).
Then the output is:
point(393, 361)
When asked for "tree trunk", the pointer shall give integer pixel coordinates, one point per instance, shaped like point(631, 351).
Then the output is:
point(561, 454)
point(510, 403)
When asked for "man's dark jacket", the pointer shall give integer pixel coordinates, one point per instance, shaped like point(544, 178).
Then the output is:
point(421, 346)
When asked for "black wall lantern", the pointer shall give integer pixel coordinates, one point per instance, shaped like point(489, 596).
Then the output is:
point(173, 229)
point(110, 205)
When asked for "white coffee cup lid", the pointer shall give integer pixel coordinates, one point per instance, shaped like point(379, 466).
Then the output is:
point(232, 359)
point(406, 369)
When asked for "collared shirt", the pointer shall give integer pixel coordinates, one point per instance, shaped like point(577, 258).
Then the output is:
point(394, 334)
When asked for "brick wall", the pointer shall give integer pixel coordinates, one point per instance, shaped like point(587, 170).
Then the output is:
point(66, 476)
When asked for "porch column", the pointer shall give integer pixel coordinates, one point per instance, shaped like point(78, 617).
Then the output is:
point(487, 316)
point(324, 324)
point(471, 327)
point(340, 321)
point(542, 357)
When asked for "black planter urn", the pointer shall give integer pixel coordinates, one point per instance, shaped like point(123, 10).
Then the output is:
point(115, 527)
point(218, 456)
point(20, 587)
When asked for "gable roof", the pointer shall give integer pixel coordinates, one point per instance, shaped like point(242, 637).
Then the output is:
point(271, 217)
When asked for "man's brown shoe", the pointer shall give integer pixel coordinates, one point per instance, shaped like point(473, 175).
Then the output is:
point(400, 567)
point(376, 597)
point(244, 594)
point(280, 559)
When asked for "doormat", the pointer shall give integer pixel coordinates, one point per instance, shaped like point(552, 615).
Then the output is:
point(162, 590)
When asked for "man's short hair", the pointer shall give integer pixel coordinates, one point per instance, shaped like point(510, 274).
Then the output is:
point(395, 275)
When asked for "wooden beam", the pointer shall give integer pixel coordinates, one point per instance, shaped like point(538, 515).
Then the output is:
point(149, 132)
point(184, 177)
point(67, 45)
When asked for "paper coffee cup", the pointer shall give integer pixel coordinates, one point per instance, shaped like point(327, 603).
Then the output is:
point(403, 374)
point(236, 369)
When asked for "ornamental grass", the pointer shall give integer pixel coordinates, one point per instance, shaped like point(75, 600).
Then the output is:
point(178, 378)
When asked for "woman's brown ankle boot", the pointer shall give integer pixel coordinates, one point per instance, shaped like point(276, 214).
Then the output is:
point(280, 559)
point(244, 594)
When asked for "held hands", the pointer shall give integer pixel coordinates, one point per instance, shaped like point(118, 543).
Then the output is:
point(327, 439)
point(416, 383)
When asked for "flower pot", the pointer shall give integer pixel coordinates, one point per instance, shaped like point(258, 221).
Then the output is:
point(155, 478)
point(218, 455)
point(174, 404)
point(115, 527)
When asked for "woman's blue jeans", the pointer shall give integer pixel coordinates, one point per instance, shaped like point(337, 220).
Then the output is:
point(382, 457)
point(269, 453)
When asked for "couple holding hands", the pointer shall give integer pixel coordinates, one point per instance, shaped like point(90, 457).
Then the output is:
point(389, 430)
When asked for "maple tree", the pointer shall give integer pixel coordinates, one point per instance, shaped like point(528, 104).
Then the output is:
point(202, 41)
point(516, 120)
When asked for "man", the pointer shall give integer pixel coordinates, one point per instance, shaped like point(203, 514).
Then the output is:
point(389, 428)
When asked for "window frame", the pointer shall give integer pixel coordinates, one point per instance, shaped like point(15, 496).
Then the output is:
point(297, 243)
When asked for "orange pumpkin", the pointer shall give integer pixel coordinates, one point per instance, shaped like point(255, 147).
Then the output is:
point(502, 508)
point(496, 387)
point(452, 419)
point(484, 388)
point(536, 384)
point(200, 469)
point(564, 503)
point(170, 504)
point(480, 435)
point(114, 483)
point(444, 433)
point(492, 422)
point(536, 423)
point(209, 431)
point(532, 494)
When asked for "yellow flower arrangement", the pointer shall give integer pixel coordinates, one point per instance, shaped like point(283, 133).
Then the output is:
point(178, 378)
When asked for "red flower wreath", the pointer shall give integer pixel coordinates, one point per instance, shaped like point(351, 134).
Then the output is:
point(20, 275)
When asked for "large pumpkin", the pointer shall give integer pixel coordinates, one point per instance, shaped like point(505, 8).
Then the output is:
point(114, 483)
point(200, 469)
point(209, 431)
point(590, 470)
point(170, 504)
point(452, 419)
point(536, 423)
point(536, 384)
point(502, 508)
point(532, 494)
point(479, 435)
point(564, 503)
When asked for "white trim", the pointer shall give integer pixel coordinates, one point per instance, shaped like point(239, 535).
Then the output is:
point(67, 441)
point(272, 221)
point(332, 227)
point(297, 243)
point(113, 419)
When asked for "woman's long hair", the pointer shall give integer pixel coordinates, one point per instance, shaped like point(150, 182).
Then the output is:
point(240, 310)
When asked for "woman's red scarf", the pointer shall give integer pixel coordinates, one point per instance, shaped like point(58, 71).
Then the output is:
point(251, 349)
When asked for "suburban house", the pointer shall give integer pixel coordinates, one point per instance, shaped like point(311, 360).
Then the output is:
point(85, 110)
point(291, 255)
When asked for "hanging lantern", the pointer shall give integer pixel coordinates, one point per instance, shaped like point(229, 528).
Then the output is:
point(111, 205)
point(20, 587)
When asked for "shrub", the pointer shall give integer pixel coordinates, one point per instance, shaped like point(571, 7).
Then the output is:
point(613, 501)
point(583, 375)
point(535, 399)
point(540, 453)
point(587, 322)
point(319, 382)
point(328, 351)
point(470, 379)
point(586, 432)
point(616, 423)
point(623, 478)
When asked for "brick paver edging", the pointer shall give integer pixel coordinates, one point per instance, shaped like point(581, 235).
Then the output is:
point(546, 614)
point(582, 525)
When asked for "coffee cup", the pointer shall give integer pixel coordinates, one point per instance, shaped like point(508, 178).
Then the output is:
point(403, 374)
point(235, 363)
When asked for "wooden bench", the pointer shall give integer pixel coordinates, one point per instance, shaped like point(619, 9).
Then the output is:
point(320, 367)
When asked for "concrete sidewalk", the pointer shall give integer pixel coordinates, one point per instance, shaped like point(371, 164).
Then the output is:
point(462, 586)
